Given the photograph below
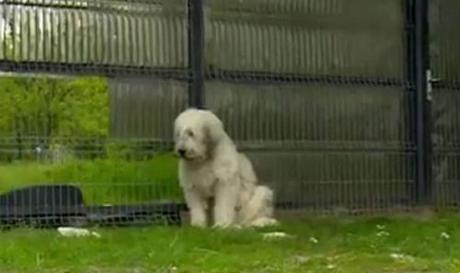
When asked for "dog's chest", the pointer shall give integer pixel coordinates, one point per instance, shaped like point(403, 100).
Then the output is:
point(202, 180)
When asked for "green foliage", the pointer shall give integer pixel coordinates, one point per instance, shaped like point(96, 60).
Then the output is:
point(46, 107)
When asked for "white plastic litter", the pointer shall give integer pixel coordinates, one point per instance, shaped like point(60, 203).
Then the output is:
point(445, 235)
point(275, 235)
point(402, 257)
point(77, 232)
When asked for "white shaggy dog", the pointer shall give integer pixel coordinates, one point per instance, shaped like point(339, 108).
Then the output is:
point(211, 169)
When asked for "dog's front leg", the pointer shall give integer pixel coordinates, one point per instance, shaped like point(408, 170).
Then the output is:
point(197, 206)
point(226, 197)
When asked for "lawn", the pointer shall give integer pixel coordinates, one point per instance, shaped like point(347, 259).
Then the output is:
point(108, 180)
point(398, 244)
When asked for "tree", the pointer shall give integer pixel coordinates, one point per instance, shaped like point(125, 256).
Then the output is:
point(41, 109)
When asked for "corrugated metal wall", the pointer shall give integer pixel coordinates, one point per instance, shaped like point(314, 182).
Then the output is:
point(445, 60)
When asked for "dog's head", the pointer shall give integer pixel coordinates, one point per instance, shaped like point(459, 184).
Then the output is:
point(196, 133)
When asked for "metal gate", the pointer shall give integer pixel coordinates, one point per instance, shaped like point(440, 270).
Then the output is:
point(444, 95)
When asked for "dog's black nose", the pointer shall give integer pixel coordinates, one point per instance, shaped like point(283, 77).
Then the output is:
point(181, 152)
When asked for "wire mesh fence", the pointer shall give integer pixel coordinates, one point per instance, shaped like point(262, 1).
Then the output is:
point(90, 113)
point(317, 94)
point(323, 96)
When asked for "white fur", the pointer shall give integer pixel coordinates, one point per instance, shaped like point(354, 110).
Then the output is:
point(211, 168)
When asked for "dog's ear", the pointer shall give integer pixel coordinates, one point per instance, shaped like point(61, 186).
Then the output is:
point(213, 130)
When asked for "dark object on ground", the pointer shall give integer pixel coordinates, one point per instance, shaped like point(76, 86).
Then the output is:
point(43, 206)
point(50, 206)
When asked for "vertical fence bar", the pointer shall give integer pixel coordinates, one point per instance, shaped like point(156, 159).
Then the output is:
point(420, 70)
point(196, 52)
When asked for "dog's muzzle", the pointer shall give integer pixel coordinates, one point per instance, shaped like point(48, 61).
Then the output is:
point(181, 153)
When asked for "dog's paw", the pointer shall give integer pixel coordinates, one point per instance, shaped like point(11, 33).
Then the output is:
point(264, 222)
point(198, 224)
point(226, 226)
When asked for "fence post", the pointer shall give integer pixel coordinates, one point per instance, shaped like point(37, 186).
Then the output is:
point(420, 70)
point(196, 52)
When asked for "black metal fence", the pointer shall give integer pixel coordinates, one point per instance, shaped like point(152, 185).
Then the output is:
point(341, 104)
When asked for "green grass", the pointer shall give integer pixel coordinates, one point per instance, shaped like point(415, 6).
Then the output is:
point(345, 245)
point(102, 180)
